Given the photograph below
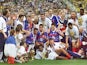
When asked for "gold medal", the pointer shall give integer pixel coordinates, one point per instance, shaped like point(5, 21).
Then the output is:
point(80, 21)
point(71, 33)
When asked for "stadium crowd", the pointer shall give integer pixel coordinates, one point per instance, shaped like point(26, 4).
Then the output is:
point(42, 32)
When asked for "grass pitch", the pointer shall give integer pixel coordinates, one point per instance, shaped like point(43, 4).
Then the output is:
point(52, 62)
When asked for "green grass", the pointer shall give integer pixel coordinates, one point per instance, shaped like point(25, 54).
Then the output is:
point(52, 62)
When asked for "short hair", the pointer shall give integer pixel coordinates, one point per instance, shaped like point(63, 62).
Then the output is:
point(69, 23)
point(36, 19)
point(53, 24)
point(41, 25)
point(42, 13)
point(20, 16)
point(56, 11)
point(4, 12)
point(12, 32)
point(18, 28)
point(35, 28)
point(40, 46)
point(82, 9)
point(74, 12)
point(22, 43)
point(28, 15)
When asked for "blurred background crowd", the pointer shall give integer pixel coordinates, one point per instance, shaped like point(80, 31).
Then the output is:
point(42, 29)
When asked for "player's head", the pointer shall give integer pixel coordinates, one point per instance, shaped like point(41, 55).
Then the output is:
point(32, 15)
point(70, 25)
point(47, 14)
point(81, 11)
point(73, 15)
point(28, 16)
point(19, 28)
point(51, 41)
point(6, 12)
point(41, 27)
point(22, 43)
point(50, 11)
point(42, 15)
point(35, 30)
point(36, 19)
point(21, 17)
point(12, 32)
point(53, 26)
point(40, 47)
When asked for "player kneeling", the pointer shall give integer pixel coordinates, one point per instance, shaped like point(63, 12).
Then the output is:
point(10, 47)
point(22, 55)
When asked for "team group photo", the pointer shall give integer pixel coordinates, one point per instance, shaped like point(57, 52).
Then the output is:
point(43, 32)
